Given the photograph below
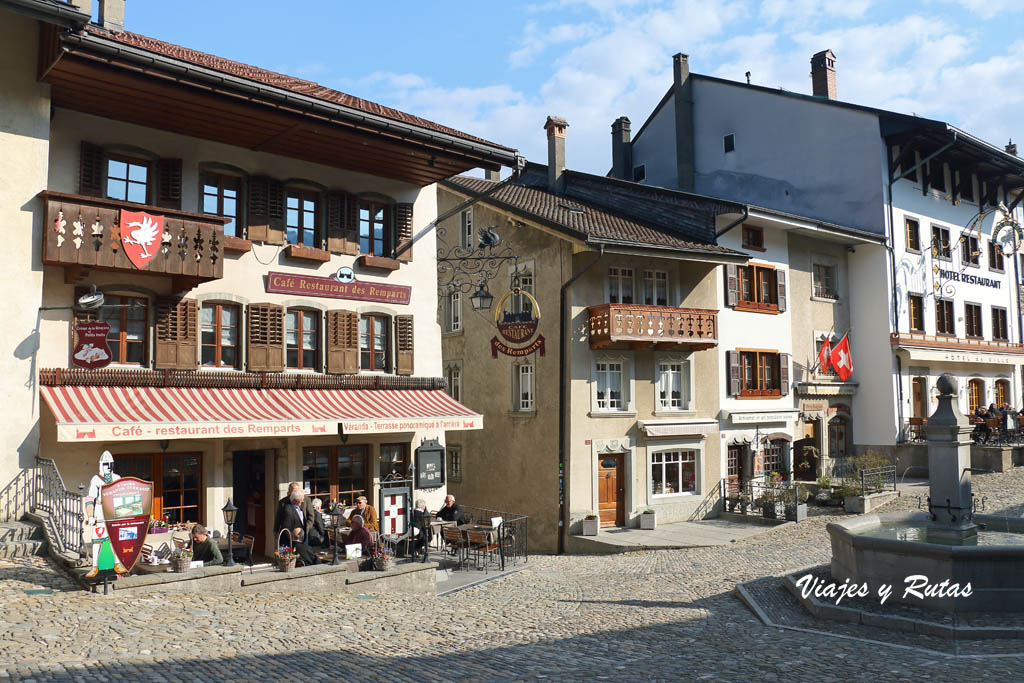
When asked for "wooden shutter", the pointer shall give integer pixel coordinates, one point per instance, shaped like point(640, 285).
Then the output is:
point(784, 373)
point(403, 231)
point(275, 212)
point(335, 211)
point(352, 224)
point(91, 170)
point(403, 345)
point(265, 338)
point(780, 283)
point(732, 285)
point(168, 183)
point(258, 218)
point(732, 361)
point(342, 342)
point(177, 338)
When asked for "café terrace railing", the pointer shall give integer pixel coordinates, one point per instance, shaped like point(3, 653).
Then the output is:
point(513, 542)
point(655, 325)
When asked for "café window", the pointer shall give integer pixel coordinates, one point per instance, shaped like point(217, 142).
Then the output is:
point(177, 483)
point(524, 388)
point(673, 472)
point(759, 372)
point(972, 320)
point(915, 309)
point(128, 317)
point(128, 179)
point(302, 339)
point(753, 238)
point(940, 243)
point(655, 288)
point(335, 473)
point(1000, 331)
point(945, 323)
point(620, 285)
point(673, 385)
point(394, 460)
point(824, 281)
point(221, 197)
point(301, 215)
point(1002, 392)
point(373, 342)
point(995, 257)
point(758, 287)
point(374, 237)
point(609, 386)
point(219, 331)
point(913, 231)
point(454, 463)
point(970, 254)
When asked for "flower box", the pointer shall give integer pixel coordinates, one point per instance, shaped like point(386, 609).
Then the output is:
point(590, 526)
point(648, 520)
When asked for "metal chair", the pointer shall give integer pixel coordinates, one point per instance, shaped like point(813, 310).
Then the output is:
point(456, 541)
point(482, 547)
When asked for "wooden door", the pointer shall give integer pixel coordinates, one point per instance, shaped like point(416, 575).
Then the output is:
point(611, 501)
point(917, 390)
point(734, 467)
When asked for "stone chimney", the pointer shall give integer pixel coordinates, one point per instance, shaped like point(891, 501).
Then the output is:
point(683, 98)
point(823, 74)
point(83, 6)
point(494, 175)
point(680, 68)
point(555, 126)
point(622, 150)
point(111, 15)
point(1011, 148)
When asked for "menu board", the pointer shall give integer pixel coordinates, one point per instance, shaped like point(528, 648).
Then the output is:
point(429, 466)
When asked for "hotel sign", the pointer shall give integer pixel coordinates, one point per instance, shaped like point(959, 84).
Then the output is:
point(969, 279)
point(334, 288)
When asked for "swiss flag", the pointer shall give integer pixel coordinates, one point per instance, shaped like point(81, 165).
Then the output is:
point(842, 359)
point(823, 356)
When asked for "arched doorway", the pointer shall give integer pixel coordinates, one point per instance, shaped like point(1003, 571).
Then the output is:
point(1003, 393)
point(975, 395)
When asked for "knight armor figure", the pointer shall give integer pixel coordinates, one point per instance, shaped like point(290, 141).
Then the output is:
point(94, 511)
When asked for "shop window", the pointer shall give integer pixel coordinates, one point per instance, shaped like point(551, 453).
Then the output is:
point(609, 386)
point(454, 463)
point(373, 342)
point(753, 238)
point(913, 232)
point(219, 332)
point(972, 320)
point(941, 247)
point(673, 472)
point(302, 339)
point(1000, 331)
point(1003, 393)
point(302, 211)
point(837, 437)
point(177, 483)
point(975, 395)
point(620, 285)
point(128, 317)
point(222, 197)
point(524, 382)
point(655, 288)
point(673, 386)
point(915, 309)
point(970, 254)
point(945, 323)
point(335, 473)
point(394, 460)
point(824, 281)
point(995, 257)
point(374, 230)
point(128, 179)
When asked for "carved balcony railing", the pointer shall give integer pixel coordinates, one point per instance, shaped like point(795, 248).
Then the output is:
point(695, 328)
point(84, 233)
point(931, 341)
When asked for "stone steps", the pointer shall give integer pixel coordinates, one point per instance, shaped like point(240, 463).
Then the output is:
point(21, 539)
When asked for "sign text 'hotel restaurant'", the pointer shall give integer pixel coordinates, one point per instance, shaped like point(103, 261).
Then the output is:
point(308, 285)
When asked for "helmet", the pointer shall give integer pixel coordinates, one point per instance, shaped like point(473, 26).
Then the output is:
point(106, 457)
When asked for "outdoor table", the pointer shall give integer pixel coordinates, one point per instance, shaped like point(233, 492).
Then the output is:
point(436, 526)
point(222, 544)
point(491, 532)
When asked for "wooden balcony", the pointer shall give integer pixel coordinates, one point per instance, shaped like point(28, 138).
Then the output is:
point(652, 326)
point(919, 340)
point(84, 233)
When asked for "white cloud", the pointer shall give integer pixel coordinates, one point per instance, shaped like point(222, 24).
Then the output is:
point(989, 9)
point(535, 40)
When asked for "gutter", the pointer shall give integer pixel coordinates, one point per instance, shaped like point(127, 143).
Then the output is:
point(746, 214)
point(49, 12)
point(75, 44)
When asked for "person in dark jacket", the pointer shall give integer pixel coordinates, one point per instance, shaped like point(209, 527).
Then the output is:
point(293, 518)
point(450, 511)
point(205, 548)
point(296, 497)
point(359, 535)
point(421, 529)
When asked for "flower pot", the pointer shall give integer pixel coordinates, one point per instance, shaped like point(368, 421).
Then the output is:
point(286, 564)
point(382, 563)
point(590, 526)
point(159, 530)
point(648, 520)
point(180, 565)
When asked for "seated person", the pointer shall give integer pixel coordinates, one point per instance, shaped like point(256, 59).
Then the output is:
point(318, 532)
point(450, 511)
point(981, 429)
point(205, 548)
point(420, 529)
point(367, 512)
point(292, 517)
point(359, 535)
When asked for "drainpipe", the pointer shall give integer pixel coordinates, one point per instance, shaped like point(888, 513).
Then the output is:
point(563, 346)
point(890, 246)
point(746, 213)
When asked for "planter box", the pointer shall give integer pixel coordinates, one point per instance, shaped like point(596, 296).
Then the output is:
point(590, 527)
point(648, 521)
point(159, 530)
point(796, 513)
point(773, 510)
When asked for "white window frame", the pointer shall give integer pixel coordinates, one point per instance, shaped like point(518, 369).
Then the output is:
point(617, 274)
point(455, 311)
point(466, 229)
point(828, 262)
point(627, 387)
point(661, 453)
point(453, 373)
point(520, 404)
point(454, 464)
point(685, 361)
point(650, 278)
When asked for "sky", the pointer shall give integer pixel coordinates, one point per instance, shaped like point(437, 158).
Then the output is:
point(496, 70)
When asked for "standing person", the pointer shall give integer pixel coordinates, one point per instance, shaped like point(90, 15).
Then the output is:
point(292, 516)
point(94, 511)
point(366, 511)
point(305, 512)
point(420, 529)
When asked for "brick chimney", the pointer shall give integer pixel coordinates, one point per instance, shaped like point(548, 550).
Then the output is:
point(1011, 147)
point(555, 126)
point(111, 15)
point(622, 150)
point(823, 74)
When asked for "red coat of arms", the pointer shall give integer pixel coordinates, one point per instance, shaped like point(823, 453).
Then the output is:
point(140, 234)
point(91, 352)
point(127, 504)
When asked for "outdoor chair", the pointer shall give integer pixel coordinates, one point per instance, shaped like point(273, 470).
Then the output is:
point(455, 541)
point(482, 548)
point(247, 541)
point(147, 553)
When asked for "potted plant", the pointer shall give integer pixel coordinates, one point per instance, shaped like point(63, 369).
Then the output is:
point(648, 519)
point(383, 559)
point(181, 560)
point(286, 557)
point(591, 523)
point(158, 526)
point(772, 506)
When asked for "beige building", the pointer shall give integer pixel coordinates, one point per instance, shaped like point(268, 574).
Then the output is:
point(259, 243)
point(612, 315)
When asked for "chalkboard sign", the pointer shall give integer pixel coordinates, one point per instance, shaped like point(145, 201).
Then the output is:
point(430, 465)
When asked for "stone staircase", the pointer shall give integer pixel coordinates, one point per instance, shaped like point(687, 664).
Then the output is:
point(21, 539)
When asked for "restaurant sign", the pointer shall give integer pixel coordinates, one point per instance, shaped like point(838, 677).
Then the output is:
point(91, 351)
point(429, 465)
point(342, 286)
point(517, 326)
point(127, 504)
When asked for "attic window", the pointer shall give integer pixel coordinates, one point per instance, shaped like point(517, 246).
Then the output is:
point(571, 208)
point(640, 173)
point(730, 142)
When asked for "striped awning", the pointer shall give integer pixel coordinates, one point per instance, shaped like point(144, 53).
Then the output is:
point(104, 413)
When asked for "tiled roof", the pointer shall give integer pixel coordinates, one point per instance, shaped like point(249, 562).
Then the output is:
point(580, 217)
point(296, 85)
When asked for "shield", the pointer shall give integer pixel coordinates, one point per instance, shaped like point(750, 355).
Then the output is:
point(140, 235)
point(91, 351)
point(127, 504)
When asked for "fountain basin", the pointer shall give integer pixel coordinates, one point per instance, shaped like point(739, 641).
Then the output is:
point(993, 570)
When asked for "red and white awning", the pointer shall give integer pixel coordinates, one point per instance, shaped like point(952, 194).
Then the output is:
point(88, 413)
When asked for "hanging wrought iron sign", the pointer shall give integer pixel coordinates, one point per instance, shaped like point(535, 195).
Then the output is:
point(518, 325)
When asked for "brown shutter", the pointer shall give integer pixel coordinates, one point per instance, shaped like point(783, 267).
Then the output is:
point(732, 361)
point(335, 212)
point(780, 283)
point(91, 170)
point(352, 224)
point(784, 373)
point(403, 345)
point(168, 183)
point(732, 285)
point(403, 231)
point(265, 338)
point(342, 342)
point(177, 338)
point(275, 212)
point(258, 218)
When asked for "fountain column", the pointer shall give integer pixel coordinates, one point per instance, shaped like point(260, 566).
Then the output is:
point(949, 459)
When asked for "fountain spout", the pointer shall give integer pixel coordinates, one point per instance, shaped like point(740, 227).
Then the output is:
point(949, 467)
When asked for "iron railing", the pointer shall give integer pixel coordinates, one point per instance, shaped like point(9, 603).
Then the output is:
point(760, 498)
point(710, 504)
point(16, 497)
point(877, 479)
point(513, 539)
point(41, 489)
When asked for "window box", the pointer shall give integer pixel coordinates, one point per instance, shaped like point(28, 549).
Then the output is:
point(237, 244)
point(590, 525)
point(378, 262)
point(648, 520)
point(304, 253)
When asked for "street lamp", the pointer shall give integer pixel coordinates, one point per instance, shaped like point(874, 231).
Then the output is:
point(229, 511)
point(482, 299)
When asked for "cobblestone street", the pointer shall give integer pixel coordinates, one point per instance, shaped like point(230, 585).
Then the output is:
point(651, 615)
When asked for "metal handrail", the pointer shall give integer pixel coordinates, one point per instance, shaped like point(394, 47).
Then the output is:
point(710, 502)
point(513, 532)
point(64, 509)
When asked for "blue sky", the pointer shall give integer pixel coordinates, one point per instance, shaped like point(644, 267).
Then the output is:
point(497, 69)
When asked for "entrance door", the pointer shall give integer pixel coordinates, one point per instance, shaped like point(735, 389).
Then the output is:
point(249, 472)
point(917, 391)
point(734, 468)
point(611, 501)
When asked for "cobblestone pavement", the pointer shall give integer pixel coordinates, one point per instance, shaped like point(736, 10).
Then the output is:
point(667, 614)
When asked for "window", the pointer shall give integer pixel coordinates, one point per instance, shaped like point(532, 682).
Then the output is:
point(454, 463)
point(221, 198)
point(373, 229)
point(995, 257)
point(524, 387)
point(335, 473)
point(972, 320)
point(609, 386)
point(373, 342)
point(302, 211)
point(453, 373)
point(818, 343)
point(838, 443)
point(915, 309)
point(1000, 331)
point(824, 281)
point(1002, 392)
point(913, 229)
point(944, 321)
point(673, 386)
point(937, 175)
point(975, 395)
point(969, 252)
point(772, 456)
point(753, 238)
point(394, 459)
point(966, 186)
point(759, 371)
point(729, 143)
point(128, 179)
point(757, 287)
point(302, 339)
point(620, 285)
point(640, 173)
point(655, 288)
point(673, 472)
point(128, 317)
point(466, 229)
point(940, 243)
point(521, 305)
point(177, 482)
point(455, 312)
point(219, 331)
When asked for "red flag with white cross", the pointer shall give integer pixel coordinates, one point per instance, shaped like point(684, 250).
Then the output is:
point(823, 356)
point(841, 358)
